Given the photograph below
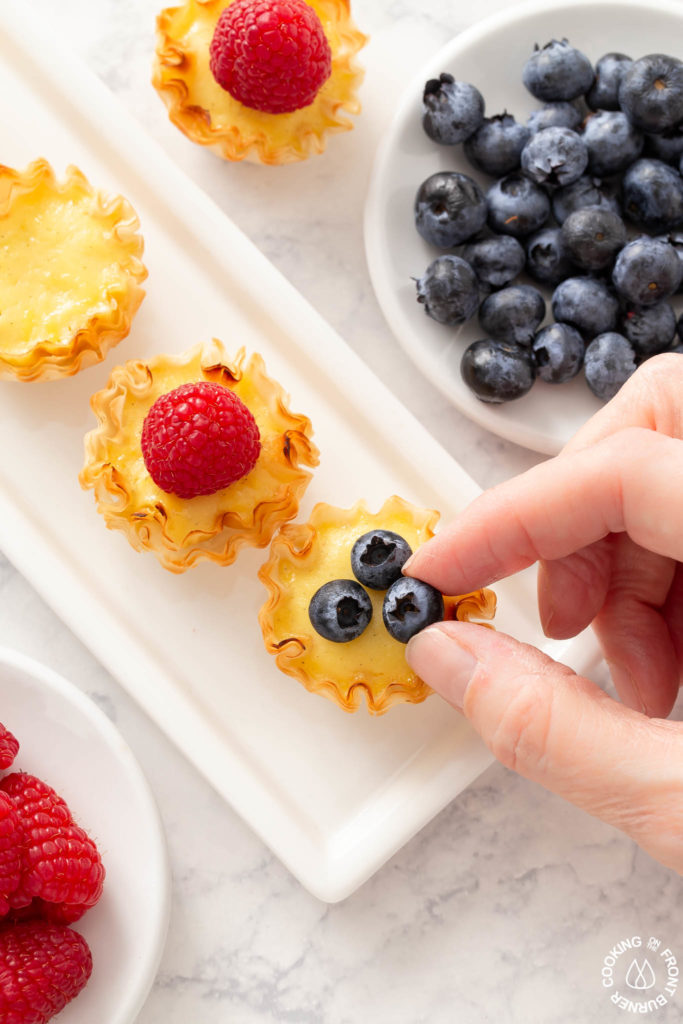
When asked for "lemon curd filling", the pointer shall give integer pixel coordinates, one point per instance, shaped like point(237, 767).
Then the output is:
point(70, 272)
point(182, 531)
point(303, 558)
point(209, 115)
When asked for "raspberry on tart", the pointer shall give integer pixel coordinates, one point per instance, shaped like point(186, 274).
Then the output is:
point(262, 80)
point(70, 272)
point(214, 523)
point(369, 662)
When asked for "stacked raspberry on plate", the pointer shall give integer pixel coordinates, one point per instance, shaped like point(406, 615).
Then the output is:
point(50, 874)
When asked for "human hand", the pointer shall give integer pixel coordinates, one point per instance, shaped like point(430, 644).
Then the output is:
point(604, 520)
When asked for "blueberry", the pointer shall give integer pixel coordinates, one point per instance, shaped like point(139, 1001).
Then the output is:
point(449, 290)
point(409, 606)
point(378, 557)
point(585, 191)
point(586, 304)
point(554, 156)
point(609, 362)
point(497, 371)
point(547, 257)
point(651, 329)
point(609, 71)
point(496, 261)
point(496, 145)
point(675, 239)
point(513, 314)
point(517, 206)
point(651, 93)
point(679, 327)
point(449, 208)
point(593, 237)
point(340, 610)
point(646, 271)
point(452, 110)
point(558, 351)
point(555, 115)
point(612, 143)
point(558, 71)
point(652, 195)
point(667, 147)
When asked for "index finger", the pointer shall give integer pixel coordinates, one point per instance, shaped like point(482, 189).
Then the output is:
point(630, 481)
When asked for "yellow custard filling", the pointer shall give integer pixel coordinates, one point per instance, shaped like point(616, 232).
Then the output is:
point(70, 271)
point(182, 530)
point(209, 115)
point(303, 558)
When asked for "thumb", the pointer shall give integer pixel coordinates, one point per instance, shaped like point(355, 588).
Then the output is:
point(561, 730)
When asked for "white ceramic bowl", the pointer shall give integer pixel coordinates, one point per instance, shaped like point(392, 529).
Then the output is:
point(491, 55)
point(67, 741)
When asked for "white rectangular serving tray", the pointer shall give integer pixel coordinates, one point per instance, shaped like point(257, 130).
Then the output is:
point(333, 795)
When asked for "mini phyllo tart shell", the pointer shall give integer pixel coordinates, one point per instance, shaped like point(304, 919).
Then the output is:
point(209, 115)
point(183, 531)
point(70, 272)
point(305, 556)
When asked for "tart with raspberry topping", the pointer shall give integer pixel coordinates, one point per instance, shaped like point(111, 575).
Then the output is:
point(339, 611)
point(70, 272)
point(262, 80)
point(196, 455)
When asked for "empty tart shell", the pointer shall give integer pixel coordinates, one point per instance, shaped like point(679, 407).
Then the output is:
point(70, 272)
point(209, 115)
point(305, 556)
point(182, 531)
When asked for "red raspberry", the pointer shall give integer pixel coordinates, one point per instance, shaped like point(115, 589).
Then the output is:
point(59, 863)
point(198, 439)
point(271, 55)
point(9, 747)
point(42, 968)
point(11, 835)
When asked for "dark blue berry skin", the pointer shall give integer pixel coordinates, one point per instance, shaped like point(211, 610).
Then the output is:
point(496, 261)
point(340, 610)
point(409, 606)
point(675, 239)
point(667, 147)
point(449, 208)
point(496, 146)
point(547, 257)
point(517, 206)
point(646, 271)
point(612, 143)
point(558, 351)
point(554, 156)
point(513, 314)
point(593, 236)
point(585, 191)
point(496, 371)
point(378, 557)
point(609, 71)
point(652, 196)
point(651, 93)
point(586, 304)
point(554, 115)
point(608, 363)
point(679, 327)
point(449, 290)
point(558, 71)
point(452, 110)
point(650, 330)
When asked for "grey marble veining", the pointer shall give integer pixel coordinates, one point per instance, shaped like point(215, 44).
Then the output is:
point(503, 908)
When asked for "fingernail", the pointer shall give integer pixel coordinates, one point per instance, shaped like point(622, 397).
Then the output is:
point(442, 663)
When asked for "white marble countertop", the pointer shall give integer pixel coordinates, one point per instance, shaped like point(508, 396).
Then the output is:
point(504, 907)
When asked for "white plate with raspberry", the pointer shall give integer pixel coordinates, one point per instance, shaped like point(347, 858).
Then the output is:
point(71, 745)
point(490, 55)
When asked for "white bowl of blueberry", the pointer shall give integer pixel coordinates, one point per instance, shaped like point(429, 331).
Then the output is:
point(538, 258)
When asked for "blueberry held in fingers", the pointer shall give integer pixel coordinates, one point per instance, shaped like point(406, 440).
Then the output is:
point(377, 558)
point(409, 606)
